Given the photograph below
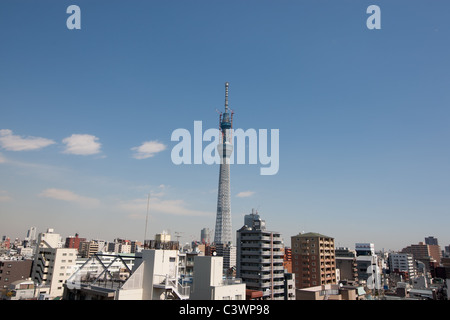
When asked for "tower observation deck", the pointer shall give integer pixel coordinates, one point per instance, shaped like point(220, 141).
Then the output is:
point(223, 234)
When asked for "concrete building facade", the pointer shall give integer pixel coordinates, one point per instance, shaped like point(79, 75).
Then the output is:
point(14, 270)
point(346, 264)
point(259, 260)
point(402, 263)
point(367, 264)
point(209, 282)
point(313, 258)
point(52, 264)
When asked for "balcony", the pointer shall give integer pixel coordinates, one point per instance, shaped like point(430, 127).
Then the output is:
point(254, 268)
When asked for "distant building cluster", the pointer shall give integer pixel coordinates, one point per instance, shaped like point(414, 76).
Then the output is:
point(260, 267)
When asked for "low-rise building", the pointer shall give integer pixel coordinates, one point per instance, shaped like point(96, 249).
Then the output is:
point(330, 292)
point(209, 282)
point(21, 290)
point(13, 270)
point(154, 276)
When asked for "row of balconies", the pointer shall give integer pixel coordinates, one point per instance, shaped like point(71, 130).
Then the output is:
point(267, 253)
point(261, 245)
point(249, 237)
point(267, 276)
point(262, 268)
point(246, 255)
point(262, 260)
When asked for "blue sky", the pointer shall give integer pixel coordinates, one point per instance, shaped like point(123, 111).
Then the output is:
point(362, 114)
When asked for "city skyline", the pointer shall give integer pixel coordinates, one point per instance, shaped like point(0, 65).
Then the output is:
point(87, 116)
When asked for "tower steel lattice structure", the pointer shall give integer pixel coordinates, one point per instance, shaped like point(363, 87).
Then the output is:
point(223, 234)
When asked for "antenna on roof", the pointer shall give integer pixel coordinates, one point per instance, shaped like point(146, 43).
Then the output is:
point(146, 218)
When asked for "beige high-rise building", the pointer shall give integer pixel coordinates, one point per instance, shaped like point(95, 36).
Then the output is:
point(424, 251)
point(88, 248)
point(313, 260)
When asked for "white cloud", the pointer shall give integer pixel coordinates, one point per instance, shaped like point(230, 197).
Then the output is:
point(2, 159)
point(4, 196)
point(148, 149)
point(245, 194)
point(138, 208)
point(82, 144)
point(11, 142)
point(69, 196)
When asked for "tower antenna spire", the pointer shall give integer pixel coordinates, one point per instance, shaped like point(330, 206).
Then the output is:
point(226, 96)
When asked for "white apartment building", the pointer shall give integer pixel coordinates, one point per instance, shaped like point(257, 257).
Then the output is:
point(367, 265)
point(50, 239)
point(209, 283)
point(52, 265)
point(402, 262)
point(259, 259)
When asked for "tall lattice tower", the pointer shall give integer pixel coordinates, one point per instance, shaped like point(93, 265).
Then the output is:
point(223, 234)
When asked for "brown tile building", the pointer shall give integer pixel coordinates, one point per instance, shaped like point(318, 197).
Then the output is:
point(313, 260)
point(13, 270)
point(287, 260)
point(423, 251)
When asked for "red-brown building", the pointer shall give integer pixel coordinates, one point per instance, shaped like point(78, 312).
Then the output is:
point(287, 259)
point(74, 242)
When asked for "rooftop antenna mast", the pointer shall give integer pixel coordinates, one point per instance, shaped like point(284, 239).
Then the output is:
point(146, 219)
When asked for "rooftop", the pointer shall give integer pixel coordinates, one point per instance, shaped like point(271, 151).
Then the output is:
point(312, 234)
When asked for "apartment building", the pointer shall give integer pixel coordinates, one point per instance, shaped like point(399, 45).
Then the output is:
point(52, 264)
point(259, 259)
point(424, 252)
point(346, 264)
point(368, 265)
point(88, 248)
point(13, 270)
point(403, 264)
point(313, 260)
